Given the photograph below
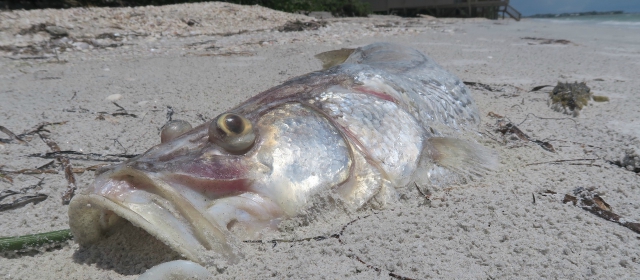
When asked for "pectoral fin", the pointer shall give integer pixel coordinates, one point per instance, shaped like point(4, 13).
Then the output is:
point(463, 156)
point(450, 160)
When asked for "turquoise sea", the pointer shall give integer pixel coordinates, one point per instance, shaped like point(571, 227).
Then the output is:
point(630, 20)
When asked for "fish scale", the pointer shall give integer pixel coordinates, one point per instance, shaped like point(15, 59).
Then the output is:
point(379, 126)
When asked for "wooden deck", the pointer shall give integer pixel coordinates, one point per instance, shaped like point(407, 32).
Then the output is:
point(447, 8)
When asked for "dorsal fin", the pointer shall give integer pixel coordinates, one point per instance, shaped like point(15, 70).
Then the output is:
point(333, 58)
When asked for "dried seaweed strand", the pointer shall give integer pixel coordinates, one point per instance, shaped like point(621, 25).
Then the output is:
point(12, 136)
point(38, 128)
point(621, 165)
point(22, 201)
point(90, 168)
point(539, 88)
point(29, 171)
point(561, 160)
point(84, 156)
point(66, 164)
point(598, 207)
point(480, 85)
point(508, 127)
point(544, 118)
point(35, 199)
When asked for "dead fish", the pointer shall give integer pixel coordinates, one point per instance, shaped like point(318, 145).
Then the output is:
point(377, 119)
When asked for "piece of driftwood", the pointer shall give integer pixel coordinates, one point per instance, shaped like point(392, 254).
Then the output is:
point(594, 204)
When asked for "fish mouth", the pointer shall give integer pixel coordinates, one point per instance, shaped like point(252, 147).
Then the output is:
point(150, 203)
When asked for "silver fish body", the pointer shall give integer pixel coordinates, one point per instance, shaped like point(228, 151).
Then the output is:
point(382, 117)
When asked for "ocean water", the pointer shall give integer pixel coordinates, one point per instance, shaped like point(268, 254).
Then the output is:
point(630, 20)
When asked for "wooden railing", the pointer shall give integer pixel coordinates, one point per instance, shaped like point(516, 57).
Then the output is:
point(448, 8)
point(512, 12)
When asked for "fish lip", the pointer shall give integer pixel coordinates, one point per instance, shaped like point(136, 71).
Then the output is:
point(165, 214)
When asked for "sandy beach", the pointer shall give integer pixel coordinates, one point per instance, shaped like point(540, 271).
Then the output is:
point(511, 224)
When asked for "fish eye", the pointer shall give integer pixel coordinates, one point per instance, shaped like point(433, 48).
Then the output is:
point(232, 132)
point(173, 129)
point(231, 124)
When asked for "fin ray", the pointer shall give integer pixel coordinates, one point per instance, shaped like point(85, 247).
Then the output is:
point(447, 160)
point(333, 58)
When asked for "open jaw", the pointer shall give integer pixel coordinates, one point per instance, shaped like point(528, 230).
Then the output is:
point(148, 201)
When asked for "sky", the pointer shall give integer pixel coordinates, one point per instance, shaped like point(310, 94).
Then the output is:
point(532, 7)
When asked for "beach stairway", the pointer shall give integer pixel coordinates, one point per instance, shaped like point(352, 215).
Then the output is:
point(512, 12)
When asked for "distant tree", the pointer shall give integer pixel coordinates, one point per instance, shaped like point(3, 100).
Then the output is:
point(336, 7)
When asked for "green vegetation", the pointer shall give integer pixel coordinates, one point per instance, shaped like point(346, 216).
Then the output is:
point(573, 96)
point(336, 7)
point(600, 98)
point(34, 240)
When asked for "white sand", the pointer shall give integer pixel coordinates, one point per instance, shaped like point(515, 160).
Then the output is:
point(485, 229)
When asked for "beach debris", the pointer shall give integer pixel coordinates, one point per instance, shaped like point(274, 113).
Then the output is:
point(74, 155)
point(49, 49)
point(25, 137)
point(630, 161)
point(56, 31)
point(48, 75)
point(66, 164)
point(294, 26)
point(28, 171)
point(544, 41)
point(170, 113)
point(507, 128)
point(190, 22)
point(35, 241)
point(53, 30)
point(539, 88)
point(600, 98)
point(578, 161)
point(43, 169)
point(590, 201)
point(103, 115)
point(570, 98)
point(482, 86)
point(24, 200)
point(197, 44)
point(120, 112)
point(12, 136)
point(114, 97)
point(225, 53)
point(494, 115)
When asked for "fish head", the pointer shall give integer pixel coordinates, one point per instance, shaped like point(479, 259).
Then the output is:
point(202, 190)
